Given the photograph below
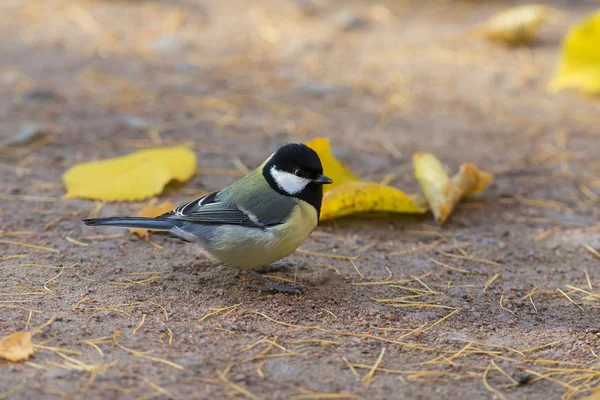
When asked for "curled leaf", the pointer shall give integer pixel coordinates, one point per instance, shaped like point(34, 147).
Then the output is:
point(151, 210)
point(334, 169)
point(515, 26)
point(360, 197)
point(441, 191)
point(579, 64)
point(16, 347)
point(136, 176)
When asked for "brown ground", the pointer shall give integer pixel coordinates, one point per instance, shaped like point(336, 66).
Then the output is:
point(237, 81)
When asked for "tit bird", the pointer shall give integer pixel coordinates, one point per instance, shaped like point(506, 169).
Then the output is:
point(255, 221)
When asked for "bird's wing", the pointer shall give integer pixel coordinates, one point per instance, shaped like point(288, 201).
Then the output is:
point(210, 209)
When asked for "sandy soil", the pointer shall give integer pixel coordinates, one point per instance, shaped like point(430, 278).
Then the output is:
point(383, 80)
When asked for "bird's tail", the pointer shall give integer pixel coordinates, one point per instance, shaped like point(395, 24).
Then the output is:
point(155, 224)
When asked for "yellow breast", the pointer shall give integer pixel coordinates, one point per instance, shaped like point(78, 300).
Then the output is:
point(250, 248)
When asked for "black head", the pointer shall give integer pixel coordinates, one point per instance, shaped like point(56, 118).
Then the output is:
point(295, 170)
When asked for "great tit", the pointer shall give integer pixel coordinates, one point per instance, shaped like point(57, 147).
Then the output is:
point(255, 221)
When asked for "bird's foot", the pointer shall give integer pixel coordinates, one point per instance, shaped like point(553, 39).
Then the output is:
point(270, 286)
point(276, 266)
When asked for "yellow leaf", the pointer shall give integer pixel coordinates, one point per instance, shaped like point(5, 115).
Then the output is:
point(360, 197)
point(151, 210)
point(515, 26)
point(594, 396)
point(16, 347)
point(136, 176)
point(331, 166)
point(441, 191)
point(579, 64)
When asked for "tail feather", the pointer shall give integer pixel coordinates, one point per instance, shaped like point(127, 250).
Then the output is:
point(155, 224)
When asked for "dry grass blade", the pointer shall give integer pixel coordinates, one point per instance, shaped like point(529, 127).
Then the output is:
point(32, 246)
point(309, 394)
point(470, 258)
point(504, 308)
point(570, 299)
point(13, 391)
point(237, 388)
point(357, 270)
point(144, 354)
point(139, 325)
point(349, 365)
point(439, 321)
point(76, 242)
point(496, 392)
point(592, 250)
point(530, 297)
point(62, 269)
point(543, 235)
point(159, 389)
point(164, 310)
point(216, 311)
point(441, 264)
point(368, 378)
point(588, 280)
point(491, 281)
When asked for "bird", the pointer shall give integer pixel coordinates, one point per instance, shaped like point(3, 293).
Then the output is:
point(253, 223)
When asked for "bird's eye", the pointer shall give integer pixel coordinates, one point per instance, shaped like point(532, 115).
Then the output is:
point(297, 172)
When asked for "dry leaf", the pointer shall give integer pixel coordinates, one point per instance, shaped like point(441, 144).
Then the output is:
point(151, 210)
point(331, 166)
point(579, 64)
point(16, 347)
point(515, 26)
point(349, 195)
point(358, 197)
point(136, 176)
point(441, 191)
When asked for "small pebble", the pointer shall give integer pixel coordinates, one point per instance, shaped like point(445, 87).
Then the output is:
point(524, 378)
point(29, 133)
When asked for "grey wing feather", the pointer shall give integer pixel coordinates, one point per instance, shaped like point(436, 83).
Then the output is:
point(212, 210)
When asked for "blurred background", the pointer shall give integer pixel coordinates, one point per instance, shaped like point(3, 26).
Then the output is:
point(83, 80)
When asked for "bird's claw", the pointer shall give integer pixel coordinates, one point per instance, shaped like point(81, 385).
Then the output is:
point(272, 286)
point(295, 289)
point(276, 266)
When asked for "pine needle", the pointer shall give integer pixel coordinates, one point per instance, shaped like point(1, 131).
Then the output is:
point(32, 246)
point(489, 387)
point(592, 250)
point(368, 378)
point(491, 281)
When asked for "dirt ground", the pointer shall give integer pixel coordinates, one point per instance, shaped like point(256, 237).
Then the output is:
point(122, 318)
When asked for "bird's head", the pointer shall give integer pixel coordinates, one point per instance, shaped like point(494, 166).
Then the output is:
point(294, 169)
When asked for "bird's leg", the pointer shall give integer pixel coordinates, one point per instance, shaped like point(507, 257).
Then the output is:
point(276, 266)
point(272, 286)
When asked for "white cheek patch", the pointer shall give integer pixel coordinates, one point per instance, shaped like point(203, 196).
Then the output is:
point(288, 182)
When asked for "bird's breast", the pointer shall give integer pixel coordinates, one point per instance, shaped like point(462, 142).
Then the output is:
point(249, 248)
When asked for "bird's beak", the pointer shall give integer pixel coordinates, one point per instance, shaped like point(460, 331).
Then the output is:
point(323, 180)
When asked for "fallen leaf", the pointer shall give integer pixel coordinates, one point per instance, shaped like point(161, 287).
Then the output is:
point(359, 197)
point(334, 169)
point(136, 176)
point(579, 63)
point(594, 396)
point(441, 191)
point(349, 195)
point(151, 210)
point(515, 26)
point(16, 347)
